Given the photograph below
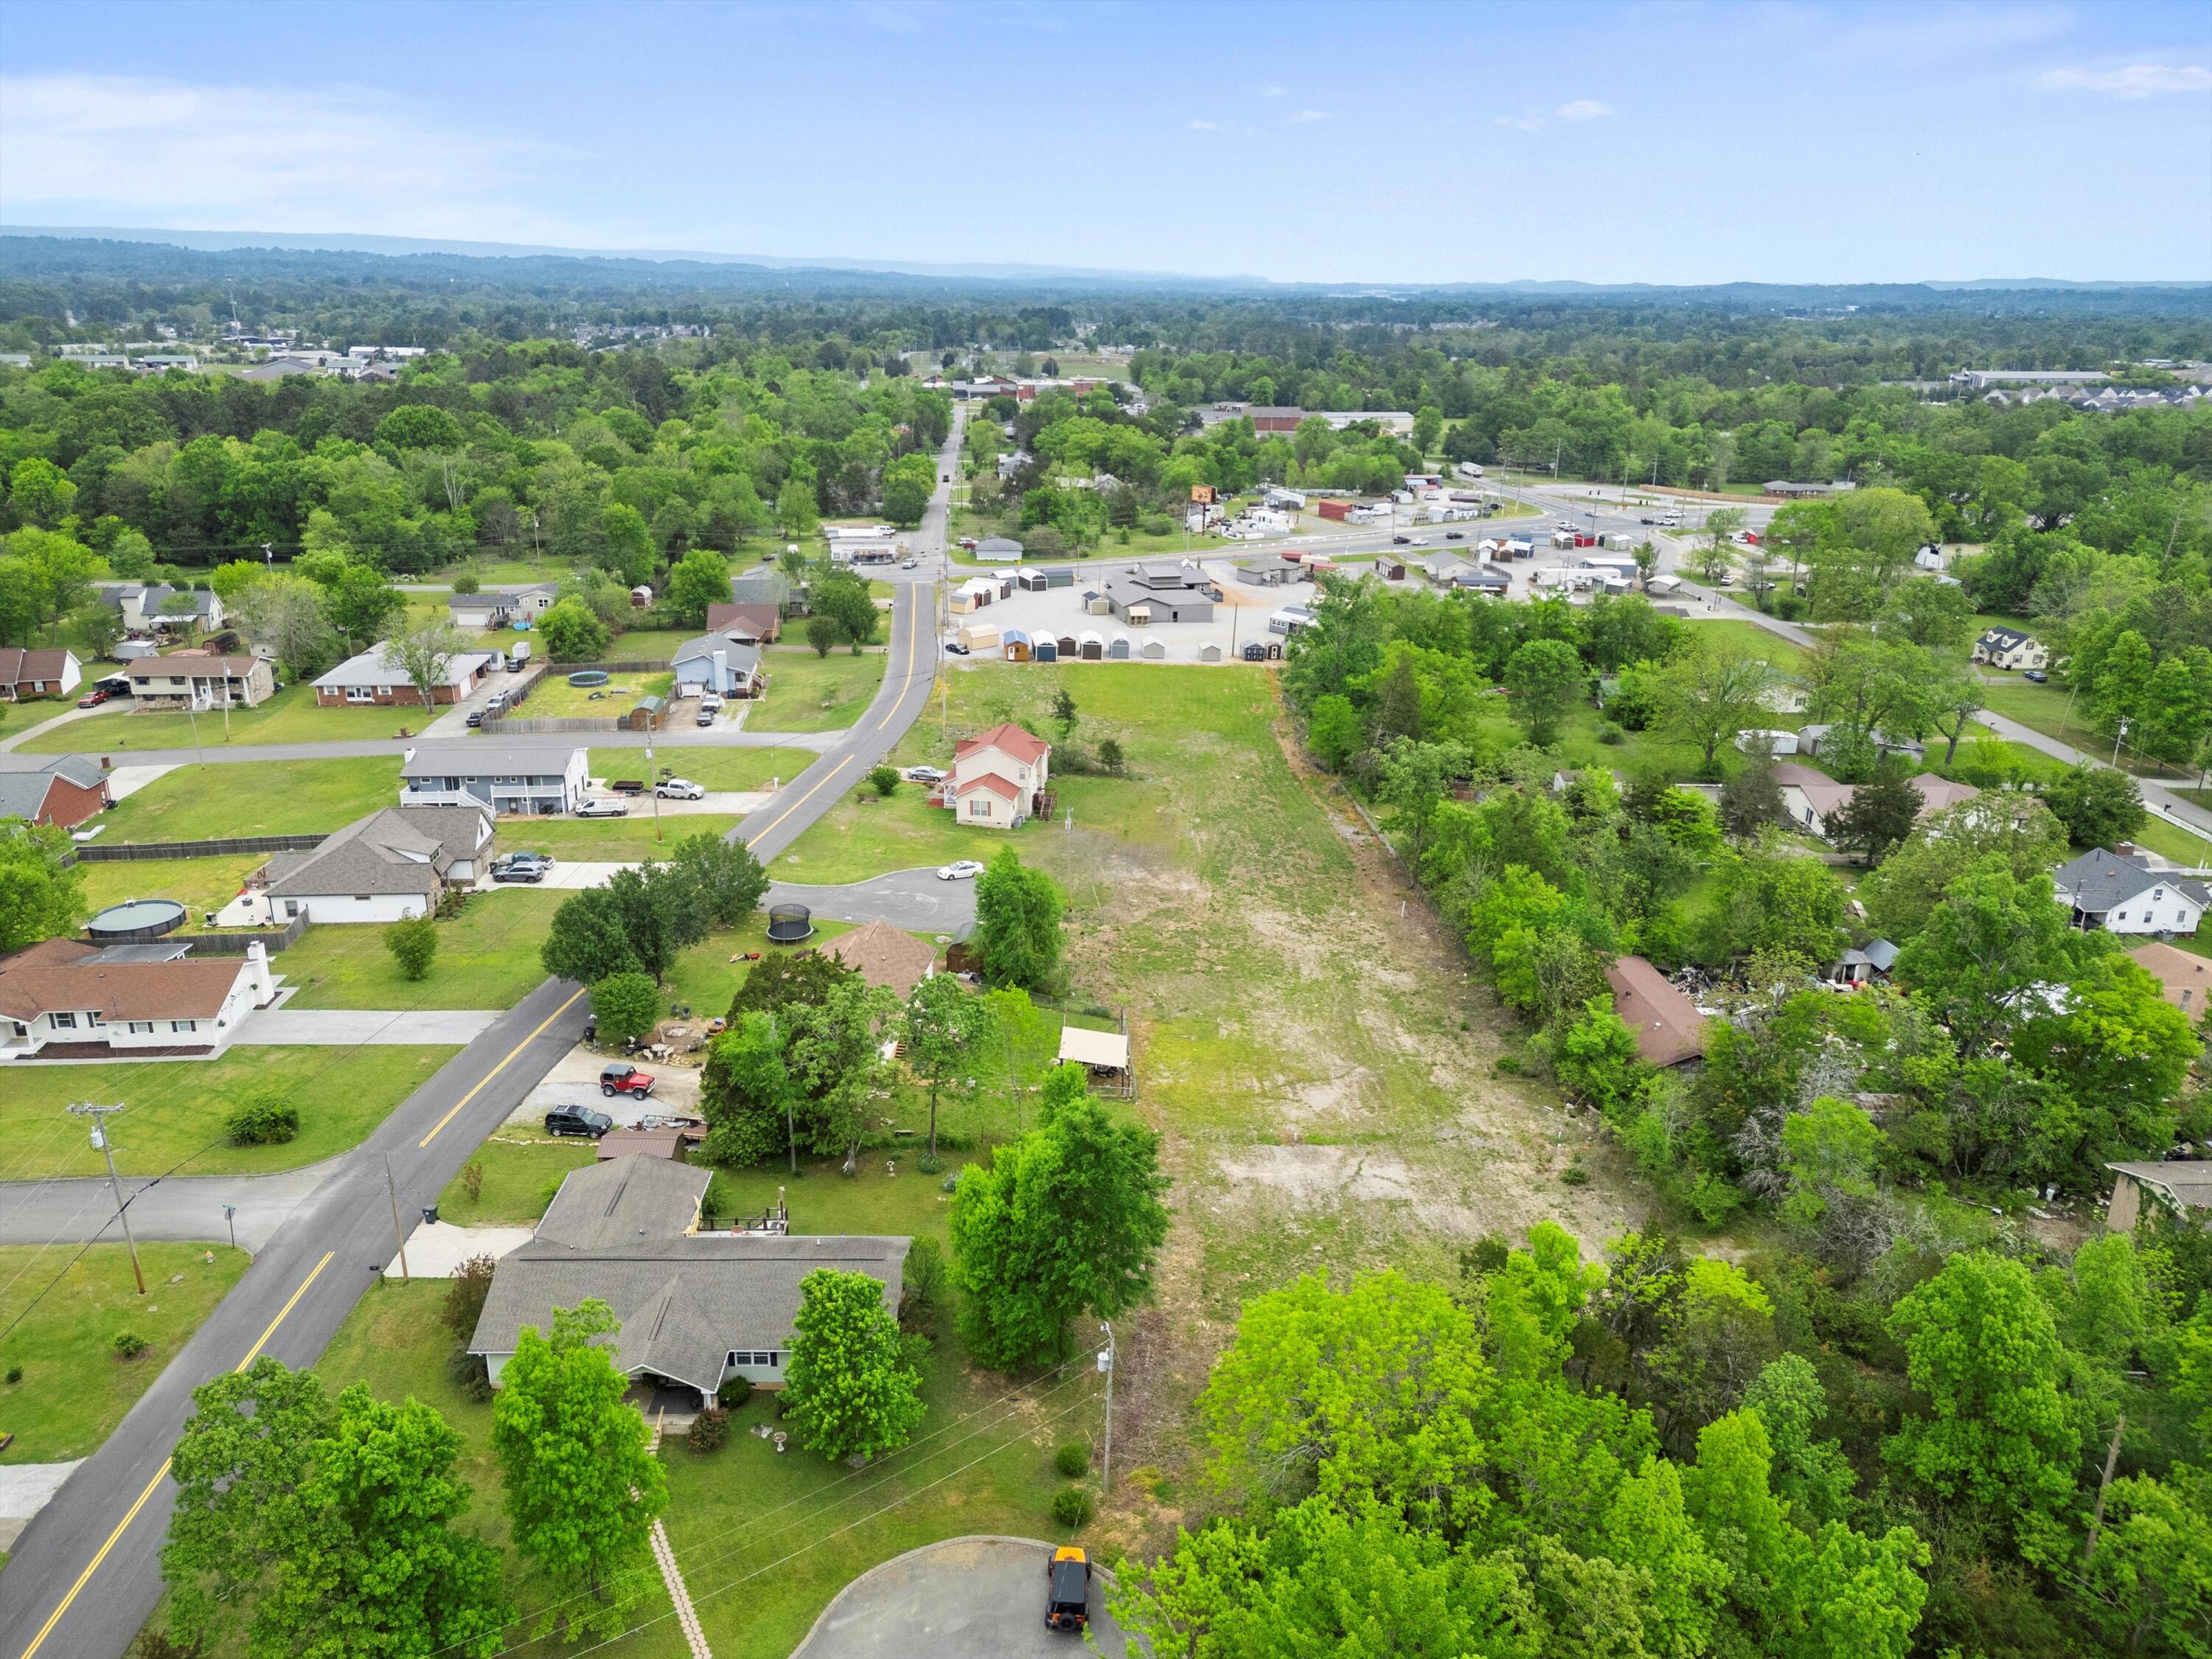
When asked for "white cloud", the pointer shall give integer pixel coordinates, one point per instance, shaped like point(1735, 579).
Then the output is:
point(1205, 126)
point(1305, 115)
point(1274, 92)
point(1582, 109)
point(2136, 80)
point(137, 150)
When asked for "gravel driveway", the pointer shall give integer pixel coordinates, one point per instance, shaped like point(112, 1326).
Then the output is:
point(975, 1598)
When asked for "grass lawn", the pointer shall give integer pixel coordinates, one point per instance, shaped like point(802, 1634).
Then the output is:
point(704, 977)
point(861, 836)
point(807, 693)
point(2170, 841)
point(647, 644)
point(2043, 708)
point(1783, 654)
point(271, 798)
point(714, 769)
point(487, 958)
point(198, 884)
point(610, 840)
point(74, 1390)
point(519, 1179)
point(21, 716)
point(290, 716)
point(176, 1108)
point(555, 699)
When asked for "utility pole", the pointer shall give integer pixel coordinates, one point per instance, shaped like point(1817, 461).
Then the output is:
point(2118, 738)
point(1106, 1365)
point(652, 777)
point(393, 1192)
point(98, 1115)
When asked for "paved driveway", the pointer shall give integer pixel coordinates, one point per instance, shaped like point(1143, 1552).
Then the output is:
point(345, 1027)
point(975, 1598)
point(912, 899)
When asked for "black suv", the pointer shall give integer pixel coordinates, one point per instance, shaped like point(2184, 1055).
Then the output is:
point(577, 1121)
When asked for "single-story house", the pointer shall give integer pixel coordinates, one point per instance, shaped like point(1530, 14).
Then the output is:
point(398, 861)
point(63, 791)
point(38, 673)
point(1482, 579)
point(716, 663)
point(173, 681)
point(1668, 1028)
point(530, 779)
point(750, 624)
point(68, 999)
point(495, 607)
point(1786, 695)
point(763, 584)
point(2186, 979)
point(998, 550)
point(698, 1309)
point(1810, 798)
point(1861, 964)
point(999, 776)
point(884, 955)
point(674, 1142)
point(377, 677)
point(2010, 647)
point(2183, 1189)
point(2117, 892)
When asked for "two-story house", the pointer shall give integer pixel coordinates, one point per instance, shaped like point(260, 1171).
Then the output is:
point(999, 777)
point(2120, 893)
point(525, 778)
point(204, 682)
point(2010, 647)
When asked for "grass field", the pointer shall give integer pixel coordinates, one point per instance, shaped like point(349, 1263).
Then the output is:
point(290, 716)
point(610, 840)
point(714, 769)
point(703, 975)
point(261, 798)
point(174, 1110)
point(861, 836)
point(807, 693)
point(74, 1388)
point(199, 885)
point(21, 716)
point(517, 1183)
point(555, 699)
point(487, 958)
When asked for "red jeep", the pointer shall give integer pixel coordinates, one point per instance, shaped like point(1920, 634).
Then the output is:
point(623, 1079)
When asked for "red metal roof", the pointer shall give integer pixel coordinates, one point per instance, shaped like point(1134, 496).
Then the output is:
point(1009, 739)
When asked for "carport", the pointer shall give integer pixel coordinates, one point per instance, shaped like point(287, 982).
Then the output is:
point(1105, 1055)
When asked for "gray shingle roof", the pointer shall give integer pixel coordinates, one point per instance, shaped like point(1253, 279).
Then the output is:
point(746, 657)
point(487, 760)
point(2098, 879)
point(396, 850)
point(23, 792)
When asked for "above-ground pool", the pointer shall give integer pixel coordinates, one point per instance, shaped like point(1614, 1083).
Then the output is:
point(588, 677)
point(136, 919)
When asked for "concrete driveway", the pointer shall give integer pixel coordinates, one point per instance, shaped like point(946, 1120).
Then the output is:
point(344, 1027)
point(912, 899)
point(980, 1598)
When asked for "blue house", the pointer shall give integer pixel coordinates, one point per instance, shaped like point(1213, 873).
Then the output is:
point(716, 663)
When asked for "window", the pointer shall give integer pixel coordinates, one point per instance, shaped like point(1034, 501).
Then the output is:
point(183, 1026)
point(141, 1028)
point(358, 694)
point(62, 1022)
point(979, 806)
point(2123, 916)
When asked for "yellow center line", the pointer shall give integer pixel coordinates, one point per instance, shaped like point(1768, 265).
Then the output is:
point(502, 1066)
point(914, 634)
point(800, 802)
point(162, 1473)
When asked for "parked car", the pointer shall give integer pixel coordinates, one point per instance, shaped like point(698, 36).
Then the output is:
point(909, 564)
point(1453, 535)
point(623, 1079)
point(577, 1121)
point(967, 542)
point(1401, 541)
point(517, 870)
point(92, 698)
point(961, 870)
point(476, 718)
point(953, 647)
point(604, 809)
point(924, 775)
point(706, 716)
point(2036, 676)
point(1067, 1590)
point(1647, 518)
point(680, 789)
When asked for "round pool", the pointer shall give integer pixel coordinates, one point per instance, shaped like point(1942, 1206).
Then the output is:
point(136, 919)
point(588, 677)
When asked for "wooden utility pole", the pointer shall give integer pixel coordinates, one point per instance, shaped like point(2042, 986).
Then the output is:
point(393, 1192)
point(98, 1115)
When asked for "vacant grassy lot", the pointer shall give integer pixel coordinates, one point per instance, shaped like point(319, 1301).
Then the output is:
point(175, 1110)
point(199, 885)
point(74, 1388)
point(290, 716)
point(807, 693)
point(1781, 654)
point(705, 978)
point(487, 958)
point(714, 769)
point(519, 1179)
point(611, 841)
point(270, 798)
point(863, 836)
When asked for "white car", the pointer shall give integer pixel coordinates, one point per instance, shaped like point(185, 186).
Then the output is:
point(965, 870)
point(909, 564)
point(680, 789)
point(604, 809)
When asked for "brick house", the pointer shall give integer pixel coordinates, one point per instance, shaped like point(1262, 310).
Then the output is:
point(38, 673)
point(64, 792)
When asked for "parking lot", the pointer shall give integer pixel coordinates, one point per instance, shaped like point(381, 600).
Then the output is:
point(1239, 617)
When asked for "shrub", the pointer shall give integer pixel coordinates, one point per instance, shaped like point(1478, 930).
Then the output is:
point(470, 1374)
point(925, 1285)
point(1073, 1459)
point(128, 1344)
point(883, 779)
point(1575, 1175)
point(1110, 756)
point(1072, 1507)
point(15, 1375)
point(735, 1392)
point(159, 1644)
point(552, 1191)
point(413, 942)
point(466, 582)
point(464, 1295)
point(710, 1429)
point(472, 1179)
point(264, 1118)
point(1610, 733)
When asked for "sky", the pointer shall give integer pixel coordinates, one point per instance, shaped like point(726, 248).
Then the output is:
point(1370, 144)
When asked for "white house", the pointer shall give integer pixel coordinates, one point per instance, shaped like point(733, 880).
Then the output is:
point(397, 862)
point(23, 674)
point(2009, 647)
point(998, 777)
point(2120, 893)
point(376, 676)
point(527, 779)
point(65, 994)
point(998, 550)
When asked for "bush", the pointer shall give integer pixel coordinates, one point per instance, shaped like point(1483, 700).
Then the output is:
point(1110, 757)
point(1073, 1459)
point(466, 582)
point(413, 943)
point(15, 1375)
point(128, 1344)
point(1072, 1507)
point(883, 779)
point(710, 1430)
point(464, 1295)
point(1611, 734)
point(735, 1392)
point(159, 1644)
point(472, 1179)
point(264, 1118)
point(626, 1005)
point(1575, 1175)
point(470, 1374)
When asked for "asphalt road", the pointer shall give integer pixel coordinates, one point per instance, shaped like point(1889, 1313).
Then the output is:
point(913, 899)
point(979, 1598)
point(183, 1209)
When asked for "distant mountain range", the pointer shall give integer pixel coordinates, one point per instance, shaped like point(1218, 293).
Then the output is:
point(219, 241)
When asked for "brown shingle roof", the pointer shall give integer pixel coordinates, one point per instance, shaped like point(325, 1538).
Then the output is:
point(880, 954)
point(759, 620)
point(2187, 979)
point(1668, 1028)
point(53, 976)
point(17, 666)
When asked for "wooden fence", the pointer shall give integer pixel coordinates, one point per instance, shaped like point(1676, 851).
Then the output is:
point(127, 852)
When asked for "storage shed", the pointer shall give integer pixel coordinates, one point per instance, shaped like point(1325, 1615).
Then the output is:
point(1090, 646)
point(1018, 645)
point(1117, 648)
point(978, 636)
point(1209, 652)
point(1047, 650)
point(1154, 651)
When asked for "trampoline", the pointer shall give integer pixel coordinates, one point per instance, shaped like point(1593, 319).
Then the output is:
point(588, 677)
point(135, 920)
point(787, 924)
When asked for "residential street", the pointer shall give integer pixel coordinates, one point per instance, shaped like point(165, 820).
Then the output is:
point(185, 1209)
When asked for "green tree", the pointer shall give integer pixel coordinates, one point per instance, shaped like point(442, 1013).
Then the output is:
point(586, 940)
point(747, 1095)
point(413, 942)
point(1981, 1346)
point(835, 1056)
point(843, 597)
point(1715, 551)
point(1813, 1476)
point(1991, 938)
point(1879, 816)
point(1710, 689)
point(626, 1005)
point(40, 493)
point(1546, 679)
point(724, 879)
point(795, 508)
point(627, 550)
point(581, 1490)
point(2099, 807)
point(1596, 1061)
point(1751, 797)
point(420, 426)
point(1065, 1220)
point(821, 632)
point(40, 898)
point(1017, 917)
point(906, 498)
point(885, 781)
point(2014, 825)
point(426, 655)
point(948, 1029)
point(571, 633)
point(849, 1386)
point(697, 581)
point(1333, 731)
point(362, 607)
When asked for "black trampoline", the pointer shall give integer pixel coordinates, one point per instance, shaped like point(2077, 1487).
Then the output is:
point(787, 924)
